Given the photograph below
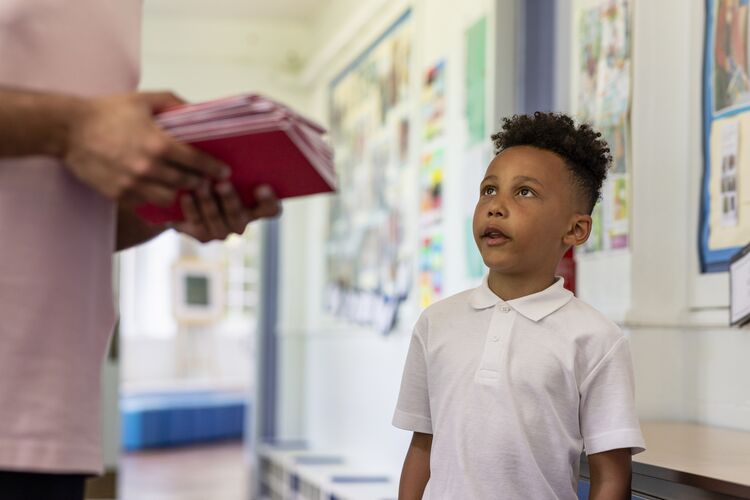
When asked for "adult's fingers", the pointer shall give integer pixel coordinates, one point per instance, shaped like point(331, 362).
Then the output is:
point(211, 213)
point(235, 215)
point(190, 210)
point(168, 174)
point(195, 161)
point(148, 192)
point(267, 205)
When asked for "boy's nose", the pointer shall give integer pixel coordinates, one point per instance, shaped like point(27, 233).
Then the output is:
point(496, 212)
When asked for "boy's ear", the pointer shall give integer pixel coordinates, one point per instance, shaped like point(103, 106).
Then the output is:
point(579, 230)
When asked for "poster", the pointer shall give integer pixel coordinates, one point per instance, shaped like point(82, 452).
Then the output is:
point(368, 258)
point(430, 280)
point(603, 99)
point(725, 195)
point(433, 102)
point(730, 61)
point(431, 170)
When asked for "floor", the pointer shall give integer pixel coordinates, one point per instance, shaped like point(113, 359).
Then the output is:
point(213, 472)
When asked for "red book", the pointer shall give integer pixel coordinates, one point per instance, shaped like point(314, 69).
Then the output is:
point(262, 142)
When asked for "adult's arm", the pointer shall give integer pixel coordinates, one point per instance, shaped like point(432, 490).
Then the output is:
point(110, 143)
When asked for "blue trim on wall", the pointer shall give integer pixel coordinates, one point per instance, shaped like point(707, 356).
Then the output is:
point(267, 357)
point(537, 56)
point(711, 260)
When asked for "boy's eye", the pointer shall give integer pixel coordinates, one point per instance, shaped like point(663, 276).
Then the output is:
point(526, 192)
point(489, 190)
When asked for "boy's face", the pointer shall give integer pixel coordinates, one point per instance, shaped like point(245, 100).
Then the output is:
point(529, 212)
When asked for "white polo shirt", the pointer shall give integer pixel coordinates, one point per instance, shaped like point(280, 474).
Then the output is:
point(514, 391)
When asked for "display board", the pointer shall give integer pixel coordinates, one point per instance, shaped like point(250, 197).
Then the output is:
point(369, 261)
point(602, 95)
point(725, 196)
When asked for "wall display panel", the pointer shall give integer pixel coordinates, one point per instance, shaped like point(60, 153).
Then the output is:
point(725, 195)
point(369, 261)
point(431, 174)
point(602, 45)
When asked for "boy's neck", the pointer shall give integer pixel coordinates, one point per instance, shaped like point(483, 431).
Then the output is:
point(515, 286)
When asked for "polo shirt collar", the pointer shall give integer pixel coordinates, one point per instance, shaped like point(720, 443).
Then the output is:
point(535, 306)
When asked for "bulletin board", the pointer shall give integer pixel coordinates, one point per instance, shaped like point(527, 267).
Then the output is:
point(725, 195)
point(431, 172)
point(369, 260)
point(601, 97)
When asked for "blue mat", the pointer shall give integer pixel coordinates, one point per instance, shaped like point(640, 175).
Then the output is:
point(175, 419)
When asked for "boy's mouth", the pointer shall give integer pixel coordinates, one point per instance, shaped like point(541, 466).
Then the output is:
point(493, 236)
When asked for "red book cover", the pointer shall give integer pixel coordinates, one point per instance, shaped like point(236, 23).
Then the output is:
point(280, 157)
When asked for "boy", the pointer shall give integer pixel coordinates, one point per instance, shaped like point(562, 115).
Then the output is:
point(506, 384)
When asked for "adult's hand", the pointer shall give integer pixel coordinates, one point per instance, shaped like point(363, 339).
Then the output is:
point(215, 215)
point(114, 146)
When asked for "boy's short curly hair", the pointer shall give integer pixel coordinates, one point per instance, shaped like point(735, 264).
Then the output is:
point(583, 149)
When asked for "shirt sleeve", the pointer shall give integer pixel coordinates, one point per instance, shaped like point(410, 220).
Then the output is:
point(413, 407)
point(607, 412)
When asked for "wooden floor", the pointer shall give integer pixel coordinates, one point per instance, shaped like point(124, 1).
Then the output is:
point(216, 472)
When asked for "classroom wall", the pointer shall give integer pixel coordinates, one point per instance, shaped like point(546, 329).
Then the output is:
point(689, 364)
point(340, 382)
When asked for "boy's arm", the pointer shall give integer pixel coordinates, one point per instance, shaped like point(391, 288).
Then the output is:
point(416, 471)
point(610, 474)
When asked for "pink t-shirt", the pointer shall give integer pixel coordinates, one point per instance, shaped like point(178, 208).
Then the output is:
point(57, 237)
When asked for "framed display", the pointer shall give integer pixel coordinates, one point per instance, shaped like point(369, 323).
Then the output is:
point(725, 194)
point(198, 291)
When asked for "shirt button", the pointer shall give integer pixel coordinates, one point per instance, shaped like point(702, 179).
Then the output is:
point(494, 338)
point(505, 309)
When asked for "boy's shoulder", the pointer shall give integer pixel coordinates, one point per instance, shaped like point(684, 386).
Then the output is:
point(589, 321)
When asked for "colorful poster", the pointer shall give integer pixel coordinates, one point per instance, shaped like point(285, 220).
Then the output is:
point(431, 185)
point(368, 260)
point(431, 263)
point(725, 196)
point(476, 81)
point(604, 66)
point(730, 63)
point(433, 102)
point(431, 169)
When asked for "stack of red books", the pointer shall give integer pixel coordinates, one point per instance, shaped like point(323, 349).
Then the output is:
point(263, 142)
